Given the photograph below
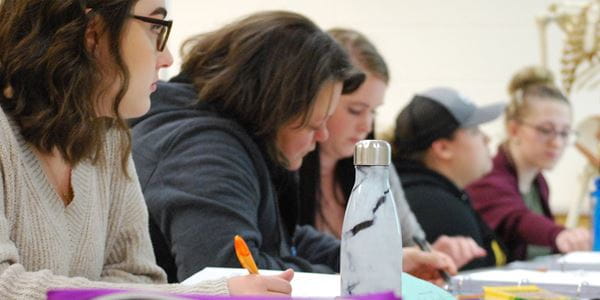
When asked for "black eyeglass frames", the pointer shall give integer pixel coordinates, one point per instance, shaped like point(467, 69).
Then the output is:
point(163, 34)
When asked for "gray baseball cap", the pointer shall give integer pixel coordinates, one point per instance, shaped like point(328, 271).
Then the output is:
point(462, 109)
point(418, 125)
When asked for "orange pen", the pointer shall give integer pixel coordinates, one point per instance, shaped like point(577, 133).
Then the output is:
point(243, 254)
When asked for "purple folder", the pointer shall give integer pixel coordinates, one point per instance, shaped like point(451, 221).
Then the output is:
point(109, 294)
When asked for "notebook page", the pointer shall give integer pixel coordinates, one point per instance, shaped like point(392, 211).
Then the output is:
point(582, 257)
point(326, 285)
point(303, 284)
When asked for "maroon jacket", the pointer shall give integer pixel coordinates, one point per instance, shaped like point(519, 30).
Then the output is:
point(497, 198)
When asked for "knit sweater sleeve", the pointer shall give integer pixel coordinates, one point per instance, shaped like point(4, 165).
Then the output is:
point(129, 265)
point(18, 283)
point(130, 258)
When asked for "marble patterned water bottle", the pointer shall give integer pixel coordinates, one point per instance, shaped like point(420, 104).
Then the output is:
point(371, 251)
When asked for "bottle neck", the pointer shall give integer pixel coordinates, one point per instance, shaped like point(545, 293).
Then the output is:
point(374, 175)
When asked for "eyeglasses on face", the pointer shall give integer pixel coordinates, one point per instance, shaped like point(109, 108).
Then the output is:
point(162, 27)
point(549, 133)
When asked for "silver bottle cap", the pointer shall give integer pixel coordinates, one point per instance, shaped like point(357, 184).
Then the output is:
point(372, 153)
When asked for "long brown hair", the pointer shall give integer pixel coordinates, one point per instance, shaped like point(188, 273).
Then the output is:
point(265, 70)
point(51, 82)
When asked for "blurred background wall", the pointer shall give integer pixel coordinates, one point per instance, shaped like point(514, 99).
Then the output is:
point(473, 46)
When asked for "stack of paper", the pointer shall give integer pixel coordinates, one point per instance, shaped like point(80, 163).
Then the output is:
point(327, 285)
point(588, 261)
point(572, 283)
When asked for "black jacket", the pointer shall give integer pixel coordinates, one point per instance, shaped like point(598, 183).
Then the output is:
point(443, 209)
point(205, 179)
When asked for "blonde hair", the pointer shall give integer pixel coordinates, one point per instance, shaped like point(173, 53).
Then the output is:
point(531, 82)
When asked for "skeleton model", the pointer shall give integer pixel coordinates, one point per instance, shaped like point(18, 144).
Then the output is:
point(580, 22)
point(580, 65)
point(588, 144)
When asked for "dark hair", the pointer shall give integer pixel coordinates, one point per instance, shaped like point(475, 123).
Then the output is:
point(265, 70)
point(531, 82)
point(310, 184)
point(364, 56)
point(47, 74)
point(418, 125)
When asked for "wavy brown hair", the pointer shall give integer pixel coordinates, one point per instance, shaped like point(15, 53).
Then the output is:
point(265, 70)
point(51, 83)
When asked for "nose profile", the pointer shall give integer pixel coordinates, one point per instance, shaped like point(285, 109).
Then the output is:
point(165, 58)
point(557, 141)
point(366, 124)
point(322, 134)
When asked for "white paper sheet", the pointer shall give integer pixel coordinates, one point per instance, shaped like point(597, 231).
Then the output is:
point(303, 284)
point(581, 257)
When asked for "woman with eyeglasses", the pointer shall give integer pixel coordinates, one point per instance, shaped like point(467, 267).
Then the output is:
point(72, 212)
point(513, 197)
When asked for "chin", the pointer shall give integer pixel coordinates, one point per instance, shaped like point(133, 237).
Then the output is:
point(548, 165)
point(137, 110)
point(294, 165)
point(348, 153)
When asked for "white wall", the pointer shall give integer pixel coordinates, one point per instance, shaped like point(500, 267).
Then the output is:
point(473, 46)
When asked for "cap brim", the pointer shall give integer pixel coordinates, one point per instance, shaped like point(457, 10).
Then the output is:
point(484, 114)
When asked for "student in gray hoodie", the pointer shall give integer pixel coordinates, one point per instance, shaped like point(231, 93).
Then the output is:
point(217, 151)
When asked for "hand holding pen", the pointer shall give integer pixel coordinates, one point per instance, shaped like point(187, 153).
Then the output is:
point(255, 284)
point(424, 246)
point(427, 265)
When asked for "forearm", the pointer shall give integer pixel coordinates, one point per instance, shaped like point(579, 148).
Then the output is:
point(537, 229)
point(17, 283)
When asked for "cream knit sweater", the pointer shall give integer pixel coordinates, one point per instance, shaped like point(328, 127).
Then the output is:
point(100, 240)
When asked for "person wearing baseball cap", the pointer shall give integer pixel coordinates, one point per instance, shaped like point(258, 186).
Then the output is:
point(439, 150)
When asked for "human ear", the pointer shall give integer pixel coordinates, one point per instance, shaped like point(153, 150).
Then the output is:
point(442, 149)
point(512, 127)
point(93, 33)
